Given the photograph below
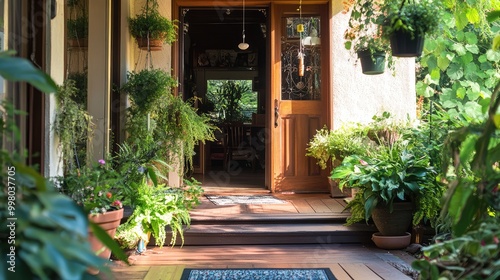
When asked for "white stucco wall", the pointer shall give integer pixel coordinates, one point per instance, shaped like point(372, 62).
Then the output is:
point(358, 97)
point(52, 161)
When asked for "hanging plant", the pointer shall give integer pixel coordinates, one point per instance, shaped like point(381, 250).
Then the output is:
point(150, 25)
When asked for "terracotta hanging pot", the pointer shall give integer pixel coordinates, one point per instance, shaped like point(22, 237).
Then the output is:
point(154, 44)
point(78, 43)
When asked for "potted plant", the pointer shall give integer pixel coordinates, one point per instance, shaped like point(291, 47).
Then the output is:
point(364, 36)
point(394, 178)
point(150, 29)
point(98, 190)
point(77, 32)
point(158, 207)
point(407, 24)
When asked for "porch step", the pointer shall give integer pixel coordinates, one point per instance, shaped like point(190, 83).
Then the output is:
point(275, 229)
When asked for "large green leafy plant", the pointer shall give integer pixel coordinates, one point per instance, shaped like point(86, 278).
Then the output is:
point(50, 230)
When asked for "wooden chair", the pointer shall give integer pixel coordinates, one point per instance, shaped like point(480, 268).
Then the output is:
point(237, 145)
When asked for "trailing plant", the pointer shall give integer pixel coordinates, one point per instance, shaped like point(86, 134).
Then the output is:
point(151, 24)
point(73, 125)
point(180, 128)
point(80, 84)
point(364, 31)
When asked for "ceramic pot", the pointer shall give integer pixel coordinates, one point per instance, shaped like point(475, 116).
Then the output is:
point(391, 242)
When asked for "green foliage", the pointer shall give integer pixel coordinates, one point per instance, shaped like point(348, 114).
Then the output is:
point(365, 32)
point(417, 17)
point(227, 99)
point(50, 229)
point(158, 207)
point(336, 144)
point(97, 188)
point(80, 84)
point(475, 255)
point(180, 128)
point(78, 28)
point(151, 24)
point(17, 69)
point(73, 125)
point(147, 87)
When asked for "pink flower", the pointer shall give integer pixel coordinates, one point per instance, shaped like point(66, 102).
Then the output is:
point(495, 239)
point(483, 243)
point(101, 162)
point(118, 204)
point(363, 162)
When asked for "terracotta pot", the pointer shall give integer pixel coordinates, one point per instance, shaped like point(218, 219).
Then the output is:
point(109, 221)
point(78, 43)
point(154, 44)
point(395, 223)
point(391, 242)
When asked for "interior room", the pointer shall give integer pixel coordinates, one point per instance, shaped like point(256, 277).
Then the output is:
point(224, 53)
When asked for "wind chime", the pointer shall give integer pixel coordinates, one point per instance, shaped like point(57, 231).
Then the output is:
point(300, 30)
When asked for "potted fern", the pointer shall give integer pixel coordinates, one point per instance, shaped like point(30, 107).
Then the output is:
point(150, 29)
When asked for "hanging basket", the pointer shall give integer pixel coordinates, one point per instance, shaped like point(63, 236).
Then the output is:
point(403, 45)
point(372, 64)
point(154, 44)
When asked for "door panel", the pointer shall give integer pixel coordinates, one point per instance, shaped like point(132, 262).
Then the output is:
point(300, 100)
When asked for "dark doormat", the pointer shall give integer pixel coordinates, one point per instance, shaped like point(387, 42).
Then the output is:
point(244, 199)
point(259, 273)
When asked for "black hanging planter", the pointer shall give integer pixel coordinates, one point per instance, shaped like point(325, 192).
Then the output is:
point(372, 64)
point(403, 45)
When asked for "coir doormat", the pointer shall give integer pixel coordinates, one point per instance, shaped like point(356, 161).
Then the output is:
point(244, 199)
point(261, 274)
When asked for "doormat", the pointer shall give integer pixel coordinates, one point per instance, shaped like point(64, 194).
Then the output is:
point(244, 199)
point(258, 273)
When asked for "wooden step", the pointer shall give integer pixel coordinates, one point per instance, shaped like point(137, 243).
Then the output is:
point(280, 233)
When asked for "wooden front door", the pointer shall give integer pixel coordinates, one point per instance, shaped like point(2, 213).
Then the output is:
point(299, 101)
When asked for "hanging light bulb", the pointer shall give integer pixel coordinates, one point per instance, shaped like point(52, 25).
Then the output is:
point(243, 46)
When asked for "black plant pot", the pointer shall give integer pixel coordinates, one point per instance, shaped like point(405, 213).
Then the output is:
point(396, 223)
point(403, 45)
point(372, 64)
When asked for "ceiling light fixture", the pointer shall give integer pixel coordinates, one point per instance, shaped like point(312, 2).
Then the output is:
point(243, 46)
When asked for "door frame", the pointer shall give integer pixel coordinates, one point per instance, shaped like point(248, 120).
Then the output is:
point(272, 70)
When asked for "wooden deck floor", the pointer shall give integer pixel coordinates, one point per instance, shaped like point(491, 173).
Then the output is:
point(346, 261)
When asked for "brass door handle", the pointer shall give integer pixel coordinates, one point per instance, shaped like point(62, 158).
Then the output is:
point(276, 112)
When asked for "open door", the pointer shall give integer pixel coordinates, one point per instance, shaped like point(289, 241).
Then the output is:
point(299, 103)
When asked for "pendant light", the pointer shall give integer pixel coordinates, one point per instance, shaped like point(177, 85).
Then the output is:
point(243, 46)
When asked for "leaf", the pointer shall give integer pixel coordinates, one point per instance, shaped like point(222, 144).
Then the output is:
point(492, 55)
point(21, 70)
point(459, 49)
point(461, 93)
point(461, 20)
point(470, 38)
point(444, 60)
point(455, 71)
point(492, 16)
point(472, 48)
point(424, 89)
point(496, 120)
point(472, 15)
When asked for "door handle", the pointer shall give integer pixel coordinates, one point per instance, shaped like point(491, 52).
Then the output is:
point(276, 112)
